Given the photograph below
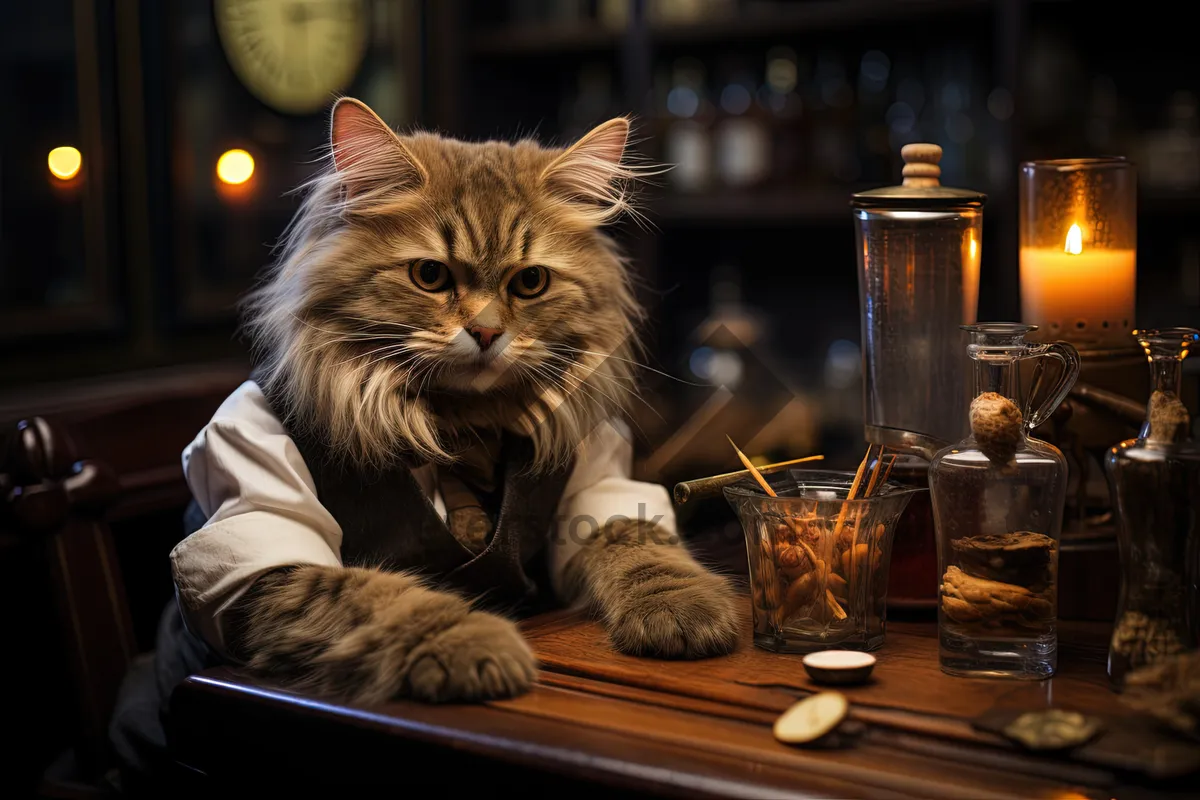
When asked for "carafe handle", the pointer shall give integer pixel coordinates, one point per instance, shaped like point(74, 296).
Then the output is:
point(1069, 357)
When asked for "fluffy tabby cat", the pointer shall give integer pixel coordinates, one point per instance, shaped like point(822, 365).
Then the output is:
point(400, 245)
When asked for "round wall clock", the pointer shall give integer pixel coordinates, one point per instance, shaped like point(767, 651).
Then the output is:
point(293, 55)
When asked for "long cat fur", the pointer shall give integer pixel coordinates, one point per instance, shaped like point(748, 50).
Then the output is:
point(318, 323)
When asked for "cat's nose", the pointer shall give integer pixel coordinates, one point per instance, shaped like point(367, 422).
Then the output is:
point(484, 336)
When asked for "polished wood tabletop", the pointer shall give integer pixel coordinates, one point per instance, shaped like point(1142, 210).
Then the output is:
point(599, 722)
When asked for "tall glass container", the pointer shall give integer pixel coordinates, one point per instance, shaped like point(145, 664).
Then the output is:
point(918, 247)
point(998, 500)
point(1155, 485)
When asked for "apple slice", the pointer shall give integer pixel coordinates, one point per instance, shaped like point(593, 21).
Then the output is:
point(811, 718)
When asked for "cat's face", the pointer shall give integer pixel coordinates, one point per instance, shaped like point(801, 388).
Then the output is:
point(485, 282)
point(430, 283)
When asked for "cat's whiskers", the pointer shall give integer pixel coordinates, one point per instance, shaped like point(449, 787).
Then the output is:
point(392, 349)
point(427, 376)
point(321, 344)
point(631, 362)
point(544, 389)
point(634, 394)
point(593, 372)
point(308, 324)
point(592, 369)
point(385, 322)
point(573, 383)
point(632, 389)
point(558, 389)
point(388, 357)
point(422, 367)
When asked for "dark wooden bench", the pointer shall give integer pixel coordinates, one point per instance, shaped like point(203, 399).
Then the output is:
point(91, 499)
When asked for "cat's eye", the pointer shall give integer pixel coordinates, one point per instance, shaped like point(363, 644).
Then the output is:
point(530, 282)
point(430, 275)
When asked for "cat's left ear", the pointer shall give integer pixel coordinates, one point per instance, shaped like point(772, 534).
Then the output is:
point(367, 154)
point(593, 169)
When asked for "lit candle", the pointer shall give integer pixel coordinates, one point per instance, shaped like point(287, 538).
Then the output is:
point(1073, 289)
point(1078, 255)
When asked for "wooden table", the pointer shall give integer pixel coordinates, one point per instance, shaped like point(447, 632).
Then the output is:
point(599, 722)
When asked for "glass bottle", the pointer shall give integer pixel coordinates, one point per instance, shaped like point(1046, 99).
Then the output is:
point(1155, 485)
point(998, 504)
point(688, 136)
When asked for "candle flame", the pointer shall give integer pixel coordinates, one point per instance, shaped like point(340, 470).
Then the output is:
point(1074, 241)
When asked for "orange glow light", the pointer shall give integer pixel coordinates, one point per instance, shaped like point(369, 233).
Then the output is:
point(64, 162)
point(235, 167)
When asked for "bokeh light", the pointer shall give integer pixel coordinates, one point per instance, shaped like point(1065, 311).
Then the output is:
point(235, 167)
point(64, 162)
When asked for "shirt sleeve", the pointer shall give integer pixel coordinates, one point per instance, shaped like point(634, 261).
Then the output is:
point(601, 490)
point(249, 479)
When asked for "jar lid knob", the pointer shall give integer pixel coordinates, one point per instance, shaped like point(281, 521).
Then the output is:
point(921, 168)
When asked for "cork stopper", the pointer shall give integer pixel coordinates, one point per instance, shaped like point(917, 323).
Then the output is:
point(921, 168)
point(921, 187)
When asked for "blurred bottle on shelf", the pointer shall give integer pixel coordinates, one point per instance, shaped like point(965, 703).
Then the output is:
point(685, 12)
point(961, 109)
point(592, 101)
point(785, 110)
point(614, 14)
point(1171, 157)
point(904, 114)
point(741, 136)
point(1100, 128)
point(563, 12)
point(874, 154)
point(833, 154)
point(1000, 108)
point(688, 136)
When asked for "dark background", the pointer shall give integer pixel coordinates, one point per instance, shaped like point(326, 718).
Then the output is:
point(138, 264)
point(118, 289)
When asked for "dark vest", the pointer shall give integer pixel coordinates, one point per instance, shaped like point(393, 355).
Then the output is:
point(387, 521)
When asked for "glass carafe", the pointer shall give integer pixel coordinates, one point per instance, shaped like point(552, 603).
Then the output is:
point(998, 504)
point(1155, 485)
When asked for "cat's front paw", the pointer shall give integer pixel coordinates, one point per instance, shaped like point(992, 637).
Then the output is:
point(674, 610)
point(483, 657)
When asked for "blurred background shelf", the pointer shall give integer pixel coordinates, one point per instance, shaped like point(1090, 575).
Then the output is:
point(543, 39)
point(757, 20)
point(773, 113)
point(1170, 202)
point(741, 208)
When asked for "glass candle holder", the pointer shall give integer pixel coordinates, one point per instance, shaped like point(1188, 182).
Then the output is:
point(1079, 250)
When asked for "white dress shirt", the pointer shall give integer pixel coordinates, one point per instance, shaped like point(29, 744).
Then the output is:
point(249, 479)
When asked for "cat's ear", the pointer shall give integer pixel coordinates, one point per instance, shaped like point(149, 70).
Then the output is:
point(593, 170)
point(367, 154)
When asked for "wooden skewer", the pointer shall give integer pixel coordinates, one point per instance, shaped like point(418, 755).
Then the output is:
point(777, 465)
point(874, 473)
point(891, 464)
point(870, 488)
point(766, 487)
point(841, 520)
